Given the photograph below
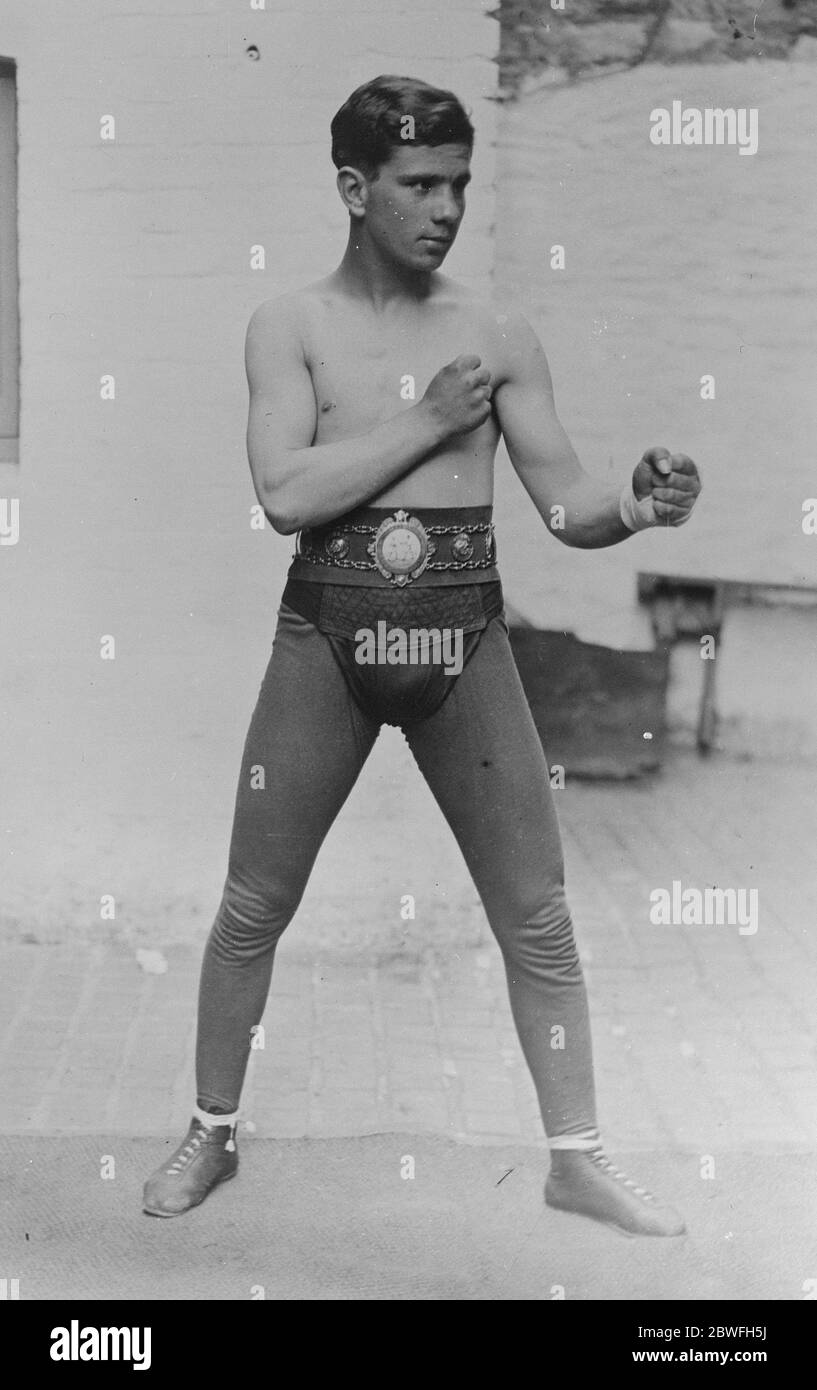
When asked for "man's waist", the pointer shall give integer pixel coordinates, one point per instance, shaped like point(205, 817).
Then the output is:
point(400, 546)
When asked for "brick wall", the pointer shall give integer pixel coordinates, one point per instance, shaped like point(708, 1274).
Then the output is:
point(556, 39)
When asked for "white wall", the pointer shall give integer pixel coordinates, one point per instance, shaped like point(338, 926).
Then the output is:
point(135, 261)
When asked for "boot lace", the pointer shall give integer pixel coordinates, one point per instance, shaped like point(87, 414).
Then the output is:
point(191, 1148)
point(186, 1153)
point(600, 1159)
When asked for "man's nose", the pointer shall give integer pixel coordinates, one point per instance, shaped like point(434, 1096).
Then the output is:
point(446, 208)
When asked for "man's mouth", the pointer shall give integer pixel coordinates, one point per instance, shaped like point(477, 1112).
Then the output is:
point(438, 240)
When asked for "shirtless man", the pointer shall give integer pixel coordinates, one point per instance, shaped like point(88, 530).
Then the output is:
point(390, 490)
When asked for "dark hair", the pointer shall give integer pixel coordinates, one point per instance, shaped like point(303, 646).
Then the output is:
point(368, 125)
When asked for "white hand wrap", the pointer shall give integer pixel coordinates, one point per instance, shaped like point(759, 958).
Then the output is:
point(637, 516)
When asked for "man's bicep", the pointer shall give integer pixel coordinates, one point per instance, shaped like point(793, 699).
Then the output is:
point(534, 436)
point(282, 410)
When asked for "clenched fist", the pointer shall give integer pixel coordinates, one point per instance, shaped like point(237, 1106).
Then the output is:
point(670, 482)
point(459, 396)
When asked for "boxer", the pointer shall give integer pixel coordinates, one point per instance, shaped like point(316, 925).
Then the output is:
point(378, 396)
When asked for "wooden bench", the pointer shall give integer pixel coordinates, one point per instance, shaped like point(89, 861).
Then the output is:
point(686, 609)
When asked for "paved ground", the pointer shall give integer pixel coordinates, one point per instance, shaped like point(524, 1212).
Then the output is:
point(705, 1038)
point(705, 1042)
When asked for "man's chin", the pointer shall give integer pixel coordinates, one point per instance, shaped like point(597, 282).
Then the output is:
point(424, 255)
point(434, 253)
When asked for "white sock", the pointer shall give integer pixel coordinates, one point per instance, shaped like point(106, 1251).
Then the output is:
point(212, 1121)
point(585, 1141)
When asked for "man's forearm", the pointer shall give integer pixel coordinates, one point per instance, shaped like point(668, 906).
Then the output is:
point(588, 517)
point(307, 487)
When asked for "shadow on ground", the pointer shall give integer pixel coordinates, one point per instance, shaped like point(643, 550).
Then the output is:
point(334, 1219)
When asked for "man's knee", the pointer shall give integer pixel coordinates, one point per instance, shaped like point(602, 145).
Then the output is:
point(538, 931)
point(253, 915)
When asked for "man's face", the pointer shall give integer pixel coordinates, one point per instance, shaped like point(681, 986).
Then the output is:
point(415, 205)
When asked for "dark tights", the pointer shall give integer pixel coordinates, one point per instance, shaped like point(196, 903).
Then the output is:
point(479, 751)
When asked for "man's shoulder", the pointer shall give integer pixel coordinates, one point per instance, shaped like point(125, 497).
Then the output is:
point(284, 311)
point(495, 312)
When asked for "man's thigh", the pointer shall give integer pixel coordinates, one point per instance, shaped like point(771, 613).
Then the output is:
point(483, 759)
point(306, 744)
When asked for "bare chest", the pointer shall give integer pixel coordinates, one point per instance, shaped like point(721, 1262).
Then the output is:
point(364, 372)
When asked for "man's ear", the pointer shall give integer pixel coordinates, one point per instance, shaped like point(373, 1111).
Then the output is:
point(353, 189)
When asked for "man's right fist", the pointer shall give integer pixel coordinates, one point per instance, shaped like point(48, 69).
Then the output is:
point(459, 396)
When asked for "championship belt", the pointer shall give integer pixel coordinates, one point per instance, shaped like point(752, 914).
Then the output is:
point(401, 548)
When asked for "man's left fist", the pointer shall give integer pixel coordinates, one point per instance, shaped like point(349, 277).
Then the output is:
point(671, 480)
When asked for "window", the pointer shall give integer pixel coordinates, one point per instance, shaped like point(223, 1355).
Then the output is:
point(9, 314)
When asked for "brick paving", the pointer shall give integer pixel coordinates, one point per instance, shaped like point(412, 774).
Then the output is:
point(705, 1039)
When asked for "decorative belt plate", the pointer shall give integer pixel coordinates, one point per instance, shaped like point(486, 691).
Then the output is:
point(401, 548)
